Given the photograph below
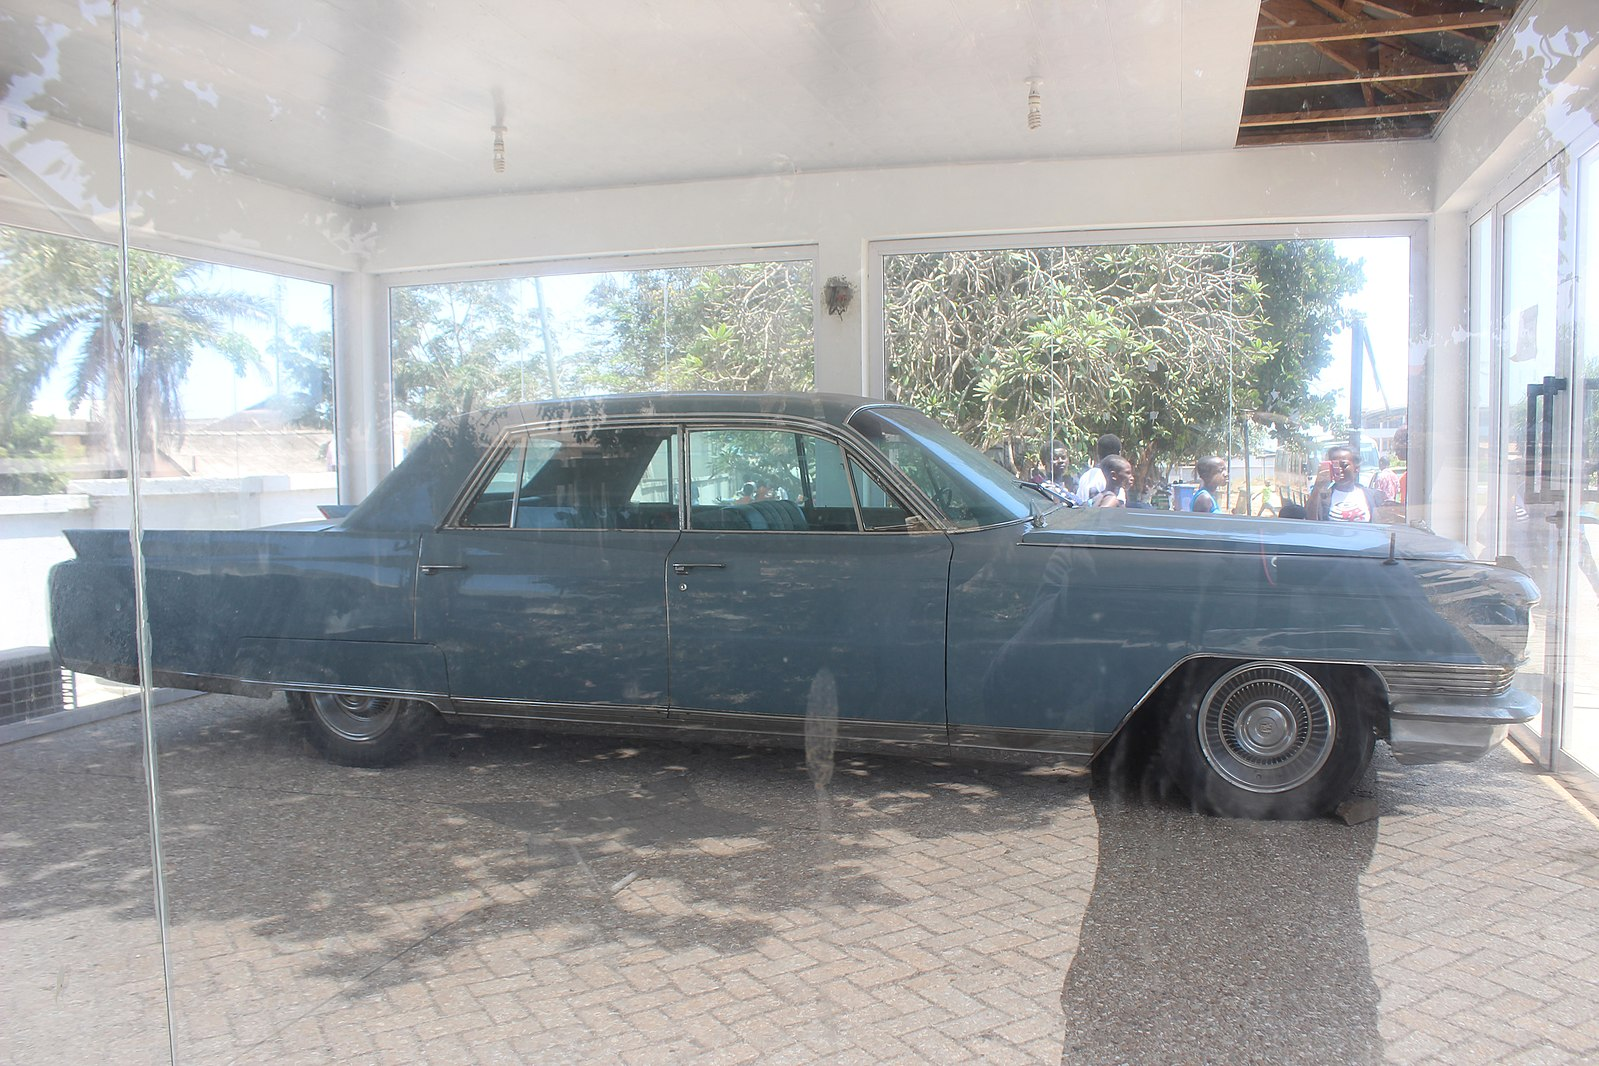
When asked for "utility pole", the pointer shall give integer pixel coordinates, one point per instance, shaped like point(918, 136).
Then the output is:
point(1359, 352)
point(544, 327)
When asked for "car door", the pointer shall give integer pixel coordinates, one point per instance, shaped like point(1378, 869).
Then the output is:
point(798, 588)
point(545, 588)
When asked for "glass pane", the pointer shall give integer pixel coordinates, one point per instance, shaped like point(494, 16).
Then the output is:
point(1527, 356)
point(81, 940)
point(1483, 465)
point(1580, 737)
point(1250, 353)
point(768, 480)
point(579, 480)
point(492, 508)
point(475, 344)
point(879, 509)
point(351, 222)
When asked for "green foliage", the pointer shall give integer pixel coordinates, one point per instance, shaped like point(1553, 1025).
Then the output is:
point(305, 362)
point(460, 346)
point(1156, 343)
point(1302, 285)
point(743, 327)
point(28, 456)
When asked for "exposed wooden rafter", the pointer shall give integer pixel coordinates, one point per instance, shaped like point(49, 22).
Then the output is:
point(1399, 64)
point(1344, 114)
point(1368, 29)
point(1310, 81)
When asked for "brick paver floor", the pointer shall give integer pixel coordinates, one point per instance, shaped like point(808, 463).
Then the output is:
point(516, 897)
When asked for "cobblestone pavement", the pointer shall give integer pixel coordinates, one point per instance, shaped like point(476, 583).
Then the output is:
point(516, 897)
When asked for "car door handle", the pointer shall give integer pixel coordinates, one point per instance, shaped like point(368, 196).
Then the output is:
point(434, 568)
point(683, 568)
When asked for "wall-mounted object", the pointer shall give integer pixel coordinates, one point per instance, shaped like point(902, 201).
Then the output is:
point(837, 294)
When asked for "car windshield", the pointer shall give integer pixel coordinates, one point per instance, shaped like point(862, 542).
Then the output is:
point(971, 489)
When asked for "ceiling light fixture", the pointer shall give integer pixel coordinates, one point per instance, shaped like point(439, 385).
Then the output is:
point(1035, 103)
point(499, 149)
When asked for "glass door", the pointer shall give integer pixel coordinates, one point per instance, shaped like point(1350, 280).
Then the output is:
point(1579, 736)
point(1534, 416)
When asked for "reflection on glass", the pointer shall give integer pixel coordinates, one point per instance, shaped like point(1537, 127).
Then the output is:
point(1580, 738)
point(1482, 464)
point(233, 397)
point(81, 938)
point(475, 344)
point(1240, 348)
point(1527, 356)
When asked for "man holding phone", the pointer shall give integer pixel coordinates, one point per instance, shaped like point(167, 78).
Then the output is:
point(1338, 495)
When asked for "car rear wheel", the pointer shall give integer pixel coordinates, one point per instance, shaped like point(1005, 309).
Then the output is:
point(1267, 740)
point(358, 730)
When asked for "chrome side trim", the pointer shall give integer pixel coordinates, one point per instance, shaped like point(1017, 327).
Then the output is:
point(1446, 679)
point(321, 687)
point(561, 712)
point(909, 733)
point(1038, 741)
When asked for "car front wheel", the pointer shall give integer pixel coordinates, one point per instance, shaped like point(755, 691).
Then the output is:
point(1267, 740)
point(360, 730)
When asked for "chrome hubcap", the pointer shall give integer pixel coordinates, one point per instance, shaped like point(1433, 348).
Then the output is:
point(354, 717)
point(1266, 727)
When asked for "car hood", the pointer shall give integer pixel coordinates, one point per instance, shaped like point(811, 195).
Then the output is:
point(1174, 531)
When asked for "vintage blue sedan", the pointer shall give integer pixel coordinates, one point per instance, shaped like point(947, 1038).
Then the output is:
point(784, 566)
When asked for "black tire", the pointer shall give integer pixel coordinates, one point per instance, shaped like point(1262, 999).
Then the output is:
point(362, 730)
point(1267, 740)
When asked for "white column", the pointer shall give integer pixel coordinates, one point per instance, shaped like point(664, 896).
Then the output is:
point(840, 339)
point(361, 383)
point(1443, 353)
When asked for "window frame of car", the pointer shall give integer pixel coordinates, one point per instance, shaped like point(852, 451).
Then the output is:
point(885, 408)
point(853, 458)
point(922, 516)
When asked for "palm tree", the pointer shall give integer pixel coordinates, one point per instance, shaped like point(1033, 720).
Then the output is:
point(71, 302)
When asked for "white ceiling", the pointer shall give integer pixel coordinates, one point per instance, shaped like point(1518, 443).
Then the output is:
point(376, 101)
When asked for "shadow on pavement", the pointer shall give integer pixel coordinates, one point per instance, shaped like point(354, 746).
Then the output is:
point(1209, 940)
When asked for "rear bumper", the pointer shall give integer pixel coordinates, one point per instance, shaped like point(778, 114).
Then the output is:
point(1423, 730)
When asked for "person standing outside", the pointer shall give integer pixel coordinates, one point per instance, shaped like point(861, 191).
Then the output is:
point(1212, 471)
point(1338, 495)
point(1092, 481)
point(1385, 483)
point(1118, 475)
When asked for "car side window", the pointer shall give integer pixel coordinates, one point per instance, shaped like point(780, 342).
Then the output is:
point(581, 479)
point(769, 480)
point(880, 511)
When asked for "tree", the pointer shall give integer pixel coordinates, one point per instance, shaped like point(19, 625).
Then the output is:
point(1157, 343)
point(68, 302)
point(28, 456)
point(305, 362)
point(742, 327)
point(28, 453)
point(1302, 286)
point(460, 346)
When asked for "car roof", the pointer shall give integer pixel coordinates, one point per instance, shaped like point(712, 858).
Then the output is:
point(832, 408)
point(417, 493)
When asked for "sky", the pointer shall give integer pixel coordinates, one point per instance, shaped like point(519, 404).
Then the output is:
point(1385, 301)
point(213, 389)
